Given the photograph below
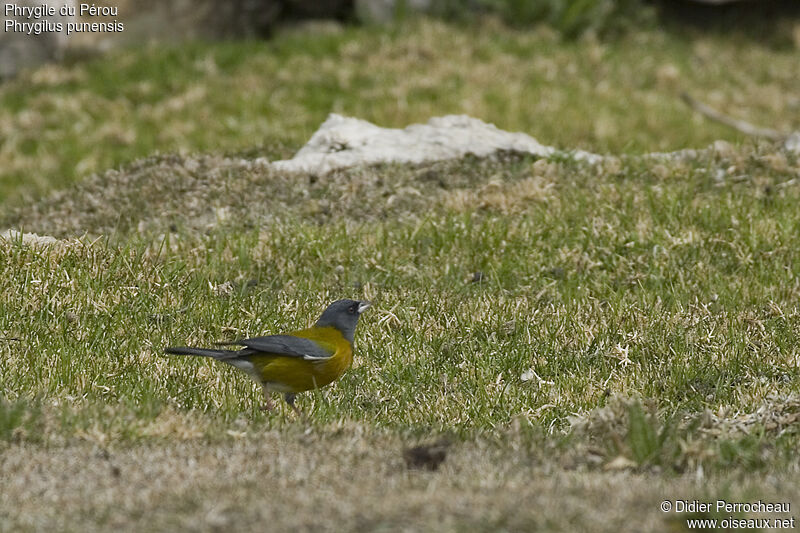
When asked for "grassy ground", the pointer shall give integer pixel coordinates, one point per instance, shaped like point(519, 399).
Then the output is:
point(64, 123)
point(572, 344)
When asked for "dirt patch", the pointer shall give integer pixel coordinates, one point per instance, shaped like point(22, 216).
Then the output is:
point(166, 193)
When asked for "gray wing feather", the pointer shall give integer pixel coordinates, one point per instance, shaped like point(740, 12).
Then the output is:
point(286, 345)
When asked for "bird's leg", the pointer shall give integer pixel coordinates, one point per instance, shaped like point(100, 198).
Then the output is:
point(290, 397)
point(267, 400)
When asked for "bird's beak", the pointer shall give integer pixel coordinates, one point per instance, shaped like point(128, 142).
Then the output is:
point(363, 306)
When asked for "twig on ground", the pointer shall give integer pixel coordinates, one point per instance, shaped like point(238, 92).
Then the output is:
point(739, 125)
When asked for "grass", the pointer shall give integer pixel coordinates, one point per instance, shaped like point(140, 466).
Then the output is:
point(268, 97)
point(566, 333)
point(630, 280)
point(626, 318)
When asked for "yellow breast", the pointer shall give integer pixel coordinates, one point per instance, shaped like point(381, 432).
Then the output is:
point(293, 374)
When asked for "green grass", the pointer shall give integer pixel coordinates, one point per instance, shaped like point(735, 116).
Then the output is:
point(268, 97)
point(572, 331)
point(631, 316)
point(677, 288)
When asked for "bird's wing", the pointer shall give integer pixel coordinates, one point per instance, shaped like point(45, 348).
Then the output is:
point(287, 345)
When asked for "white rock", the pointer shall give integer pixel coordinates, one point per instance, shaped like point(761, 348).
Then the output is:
point(792, 142)
point(29, 239)
point(343, 142)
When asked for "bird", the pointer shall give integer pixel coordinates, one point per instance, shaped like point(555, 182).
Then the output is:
point(293, 362)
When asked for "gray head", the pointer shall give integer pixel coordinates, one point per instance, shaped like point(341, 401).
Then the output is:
point(343, 315)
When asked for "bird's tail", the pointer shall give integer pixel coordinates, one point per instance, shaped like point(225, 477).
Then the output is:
point(202, 352)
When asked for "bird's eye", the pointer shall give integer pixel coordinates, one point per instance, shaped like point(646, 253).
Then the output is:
point(352, 310)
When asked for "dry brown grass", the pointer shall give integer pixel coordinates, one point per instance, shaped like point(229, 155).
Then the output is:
point(346, 478)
